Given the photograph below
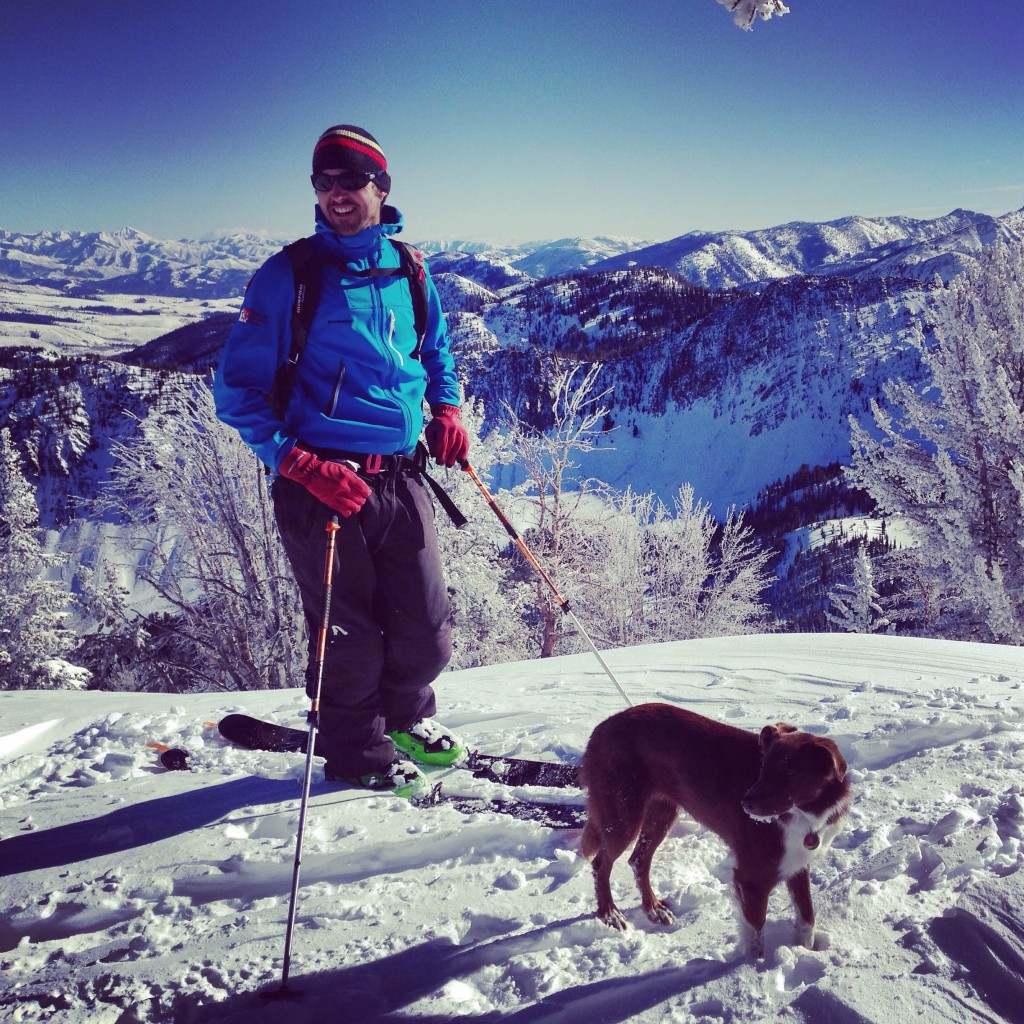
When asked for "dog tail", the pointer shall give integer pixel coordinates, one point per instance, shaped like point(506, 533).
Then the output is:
point(590, 841)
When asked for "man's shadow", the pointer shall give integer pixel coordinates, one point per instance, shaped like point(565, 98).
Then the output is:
point(137, 824)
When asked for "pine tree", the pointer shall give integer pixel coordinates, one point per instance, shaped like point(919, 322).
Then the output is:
point(947, 458)
point(857, 604)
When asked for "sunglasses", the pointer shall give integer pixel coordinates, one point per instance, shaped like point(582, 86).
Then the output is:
point(348, 181)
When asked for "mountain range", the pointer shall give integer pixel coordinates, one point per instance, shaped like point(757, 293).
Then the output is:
point(129, 262)
point(854, 246)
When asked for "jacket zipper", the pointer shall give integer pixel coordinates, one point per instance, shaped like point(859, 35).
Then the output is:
point(391, 337)
point(336, 397)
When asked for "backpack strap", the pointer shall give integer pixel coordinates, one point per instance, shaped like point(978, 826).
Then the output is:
point(417, 463)
point(307, 273)
point(416, 270)
point(307, 270)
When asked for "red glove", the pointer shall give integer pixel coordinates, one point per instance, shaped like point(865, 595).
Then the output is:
point(447, 440)
point(334, 483)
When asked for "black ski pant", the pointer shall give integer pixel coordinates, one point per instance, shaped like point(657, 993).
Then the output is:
point(389, 632)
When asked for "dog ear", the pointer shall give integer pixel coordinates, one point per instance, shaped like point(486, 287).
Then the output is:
point(769, 734)
point(826, 758)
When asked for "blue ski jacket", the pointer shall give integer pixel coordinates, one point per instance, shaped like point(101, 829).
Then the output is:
point(358, 387)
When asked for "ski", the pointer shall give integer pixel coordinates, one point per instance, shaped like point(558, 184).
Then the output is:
point(550, 815)
point(256, 734)
point(554, 816)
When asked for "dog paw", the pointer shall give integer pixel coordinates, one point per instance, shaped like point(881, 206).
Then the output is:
point(614, 919)
point(660, 914)
point(751, 942)
point(803, 933)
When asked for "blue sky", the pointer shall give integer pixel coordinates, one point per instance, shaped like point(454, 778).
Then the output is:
point(509, 120)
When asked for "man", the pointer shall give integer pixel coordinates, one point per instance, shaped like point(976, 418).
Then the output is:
point(344, 439)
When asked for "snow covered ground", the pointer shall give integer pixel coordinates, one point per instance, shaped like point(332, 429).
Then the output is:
point(129, 893)
point(102, 325)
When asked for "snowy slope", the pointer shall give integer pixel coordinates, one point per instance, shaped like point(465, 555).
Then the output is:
point(730, 403)
point(132, 894)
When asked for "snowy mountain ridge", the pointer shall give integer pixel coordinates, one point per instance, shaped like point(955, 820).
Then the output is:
point(769, 376)
point(728, 391)
point(127, 261)
point(861, 246)
point(766, 380)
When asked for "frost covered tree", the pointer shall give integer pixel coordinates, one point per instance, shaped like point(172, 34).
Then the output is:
point(678, 574)
point(729, 601)
point(34, 635)
point(488, 603)
point(948, 458)
point(560, 532)
point(199, 532)
point(634, 570)
point(745, 11)
point(619, 600)
point(857, 604)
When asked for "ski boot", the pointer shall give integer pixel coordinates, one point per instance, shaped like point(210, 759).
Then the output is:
point(429, 742)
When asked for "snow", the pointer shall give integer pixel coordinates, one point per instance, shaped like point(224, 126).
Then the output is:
point(683, 446)
point(844, 530)
point(100, 325)
point(134, 894)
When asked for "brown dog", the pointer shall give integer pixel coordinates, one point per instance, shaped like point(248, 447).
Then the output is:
point(775, 799)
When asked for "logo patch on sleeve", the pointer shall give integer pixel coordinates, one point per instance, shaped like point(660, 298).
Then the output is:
point(250, 316)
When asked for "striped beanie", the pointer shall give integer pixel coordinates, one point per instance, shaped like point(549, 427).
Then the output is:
point(346, 147)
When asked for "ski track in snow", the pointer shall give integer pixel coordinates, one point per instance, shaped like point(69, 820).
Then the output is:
point(130, 893)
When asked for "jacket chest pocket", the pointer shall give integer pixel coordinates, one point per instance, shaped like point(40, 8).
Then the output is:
point(359, 295)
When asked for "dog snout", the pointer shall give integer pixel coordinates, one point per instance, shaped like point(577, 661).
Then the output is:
point(762, 802)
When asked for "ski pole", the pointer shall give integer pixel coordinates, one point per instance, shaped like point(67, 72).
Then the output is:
point(314, 721)
point(539, 569)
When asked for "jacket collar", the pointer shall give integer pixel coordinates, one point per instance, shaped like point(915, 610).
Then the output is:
point(362, 245)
